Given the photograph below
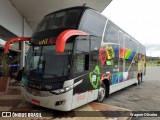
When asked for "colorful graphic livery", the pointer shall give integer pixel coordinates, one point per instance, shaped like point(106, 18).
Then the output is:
point(77, 56)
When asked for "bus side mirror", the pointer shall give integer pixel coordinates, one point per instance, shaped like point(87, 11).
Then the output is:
point(64, 36)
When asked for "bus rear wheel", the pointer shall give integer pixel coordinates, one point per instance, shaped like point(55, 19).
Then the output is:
point(101, 92)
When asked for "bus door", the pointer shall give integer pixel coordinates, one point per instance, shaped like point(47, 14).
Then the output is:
point(81, 71)
point(94, 67)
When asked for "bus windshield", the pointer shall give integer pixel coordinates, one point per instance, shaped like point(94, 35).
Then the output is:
point(44, 63)
point(62, 19)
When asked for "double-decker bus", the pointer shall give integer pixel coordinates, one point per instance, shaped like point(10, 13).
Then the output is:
point(77, 56)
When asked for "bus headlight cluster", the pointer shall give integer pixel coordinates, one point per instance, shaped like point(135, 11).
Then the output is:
point(63, 90)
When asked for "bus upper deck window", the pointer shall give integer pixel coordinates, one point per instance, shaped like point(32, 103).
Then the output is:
point(111, 33)
point(92, 22)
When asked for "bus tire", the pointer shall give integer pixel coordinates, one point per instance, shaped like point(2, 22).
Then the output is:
point(107, 84)
point(101, 92)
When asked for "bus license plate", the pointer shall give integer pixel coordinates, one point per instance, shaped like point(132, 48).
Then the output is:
point(35, 102)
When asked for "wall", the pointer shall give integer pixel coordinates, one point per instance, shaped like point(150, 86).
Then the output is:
point(12, 20)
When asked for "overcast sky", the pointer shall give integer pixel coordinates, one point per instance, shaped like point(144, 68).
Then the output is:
point(140, 19)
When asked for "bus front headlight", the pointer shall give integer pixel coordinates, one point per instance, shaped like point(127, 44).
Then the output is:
point(63, 90)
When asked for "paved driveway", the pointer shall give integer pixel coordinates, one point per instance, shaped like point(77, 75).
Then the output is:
point(144, 97)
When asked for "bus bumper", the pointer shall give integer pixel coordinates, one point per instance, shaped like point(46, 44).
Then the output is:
point(62, 102)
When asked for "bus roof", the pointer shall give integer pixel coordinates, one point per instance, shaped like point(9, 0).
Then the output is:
point(77, 7)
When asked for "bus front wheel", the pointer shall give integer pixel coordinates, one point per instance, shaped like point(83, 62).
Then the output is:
point(101, 92)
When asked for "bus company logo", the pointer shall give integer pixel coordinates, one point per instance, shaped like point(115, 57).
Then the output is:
point(48, 41)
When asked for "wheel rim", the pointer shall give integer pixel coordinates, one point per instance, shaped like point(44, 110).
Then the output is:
point(101, 93)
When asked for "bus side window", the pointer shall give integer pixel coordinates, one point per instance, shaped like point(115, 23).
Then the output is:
point(95, 43)
point(127, 64)
point(111, 33)
point(81, 63)
point(81, 45)
point(92, 22)
point(93, 59)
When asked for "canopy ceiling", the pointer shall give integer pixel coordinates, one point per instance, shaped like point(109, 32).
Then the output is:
point(34, 10)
